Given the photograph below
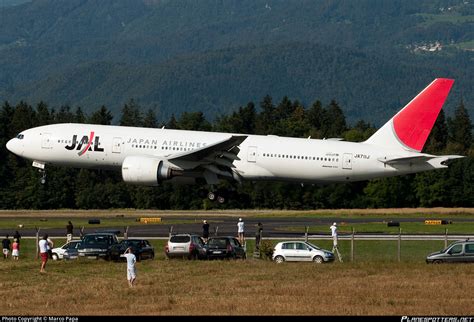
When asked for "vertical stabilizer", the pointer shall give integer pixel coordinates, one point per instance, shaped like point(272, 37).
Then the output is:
point(409, 129)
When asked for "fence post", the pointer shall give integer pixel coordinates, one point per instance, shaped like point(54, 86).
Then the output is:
point(37, 242)
point(306, 228)
point(399, 243)
point(170, 231)
point(445, 238)
point(352, 244)
point(81, 231)
point(215, 230)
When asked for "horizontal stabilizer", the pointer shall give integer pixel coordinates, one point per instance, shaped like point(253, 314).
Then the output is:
point(410, 159)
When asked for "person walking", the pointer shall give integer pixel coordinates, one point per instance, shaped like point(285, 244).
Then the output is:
point(131, 271)
point(69, 231)
point(241, 231)
point(205, 231)
point(6, 244)
point(43, 250)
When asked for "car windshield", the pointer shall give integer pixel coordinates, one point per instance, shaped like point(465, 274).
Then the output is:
point(447, 248)
point(133, 243)
point(313, 246)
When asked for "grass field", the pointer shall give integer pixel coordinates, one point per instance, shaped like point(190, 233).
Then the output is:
point(374, 284)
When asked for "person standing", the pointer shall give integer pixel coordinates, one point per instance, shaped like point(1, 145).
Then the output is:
point(69, 231)
point(17, 236)
point(334, 241)
point(50, 247)
point(131, 260)
point(241, 231)
point(15, 249)
point(334, 234)
point(205, 231)
point(6, 243)
point(258, 235)
point(43, 250)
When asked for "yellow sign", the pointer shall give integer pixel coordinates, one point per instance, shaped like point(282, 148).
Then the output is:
point(147, 220)
point(433, 222)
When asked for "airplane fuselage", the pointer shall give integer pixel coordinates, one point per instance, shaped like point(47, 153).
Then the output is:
point(259, 157)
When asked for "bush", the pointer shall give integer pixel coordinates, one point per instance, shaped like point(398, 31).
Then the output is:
point(266, 249)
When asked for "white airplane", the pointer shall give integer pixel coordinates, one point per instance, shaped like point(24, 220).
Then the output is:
point(150, 156)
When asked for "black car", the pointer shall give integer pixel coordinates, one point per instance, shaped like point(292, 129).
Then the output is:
point(140, 247)
point(224, 247)
point(96, 245)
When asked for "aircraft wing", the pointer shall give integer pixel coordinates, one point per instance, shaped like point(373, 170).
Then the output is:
point(213, 160)
point(225, 148)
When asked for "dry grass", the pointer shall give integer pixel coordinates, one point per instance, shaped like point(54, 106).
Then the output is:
point(251, 287)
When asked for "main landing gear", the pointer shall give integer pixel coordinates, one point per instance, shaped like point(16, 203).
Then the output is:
point(213, 196)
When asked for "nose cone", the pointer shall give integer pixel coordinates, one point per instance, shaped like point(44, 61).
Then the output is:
point(14, 147)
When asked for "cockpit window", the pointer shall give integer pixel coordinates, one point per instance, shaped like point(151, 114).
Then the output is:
point(20, 136)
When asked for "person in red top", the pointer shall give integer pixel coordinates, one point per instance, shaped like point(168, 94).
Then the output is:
point(15, 249)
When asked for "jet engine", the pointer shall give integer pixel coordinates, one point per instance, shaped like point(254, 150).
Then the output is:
point(148, 171)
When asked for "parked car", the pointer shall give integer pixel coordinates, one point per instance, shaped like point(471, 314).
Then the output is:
point(96, 245)
point(299, 251)
point(185, 245)
point(457, 252)
point(224, 247)
point(58, 252)
point(140, 247)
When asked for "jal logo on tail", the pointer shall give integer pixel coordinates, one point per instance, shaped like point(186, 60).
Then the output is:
point(86, 142)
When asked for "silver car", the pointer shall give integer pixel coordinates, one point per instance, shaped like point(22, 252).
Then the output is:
point(185, 245)
point(299, 251)
point(457, 252)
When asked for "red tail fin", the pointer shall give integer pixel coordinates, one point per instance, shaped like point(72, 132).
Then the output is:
point(410, 127)
point(414, 122)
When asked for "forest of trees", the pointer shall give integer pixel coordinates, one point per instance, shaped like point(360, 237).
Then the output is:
point(20, 187)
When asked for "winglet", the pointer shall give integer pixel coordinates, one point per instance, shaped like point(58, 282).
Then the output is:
point(411, 127)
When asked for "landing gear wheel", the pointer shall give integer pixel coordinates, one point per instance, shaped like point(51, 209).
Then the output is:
point(211, 196)
point(43, 177)
point(220, 199)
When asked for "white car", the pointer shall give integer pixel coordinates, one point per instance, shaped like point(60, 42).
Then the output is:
point(299, 251)
point(58, 253)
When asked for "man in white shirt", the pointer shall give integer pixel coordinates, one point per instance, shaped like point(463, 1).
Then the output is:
point(131, 260)
point(240, 231)
point(334, 233)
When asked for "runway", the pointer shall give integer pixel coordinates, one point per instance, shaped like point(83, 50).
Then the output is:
point(273, 227)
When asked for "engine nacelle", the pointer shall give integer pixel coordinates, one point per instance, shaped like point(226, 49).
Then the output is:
point(147, 171)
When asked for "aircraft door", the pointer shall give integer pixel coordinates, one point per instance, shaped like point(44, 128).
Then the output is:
point(347, 161)
point(46, 142)
point(252, 154)
point(117, 145)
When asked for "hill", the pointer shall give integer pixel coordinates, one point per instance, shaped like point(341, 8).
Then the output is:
point(214, 56)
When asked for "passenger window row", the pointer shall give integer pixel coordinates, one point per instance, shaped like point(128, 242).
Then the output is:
point(299, 157)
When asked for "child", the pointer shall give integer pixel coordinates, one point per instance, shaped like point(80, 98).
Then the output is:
point(15, 249)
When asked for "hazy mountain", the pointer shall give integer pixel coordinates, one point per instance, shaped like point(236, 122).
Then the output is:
point(372, 56)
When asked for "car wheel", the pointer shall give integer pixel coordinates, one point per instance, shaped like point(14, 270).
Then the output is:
point(437, 261)
point(279, 259)
point(152, 256)
point(55, 257)
point(318, 259)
